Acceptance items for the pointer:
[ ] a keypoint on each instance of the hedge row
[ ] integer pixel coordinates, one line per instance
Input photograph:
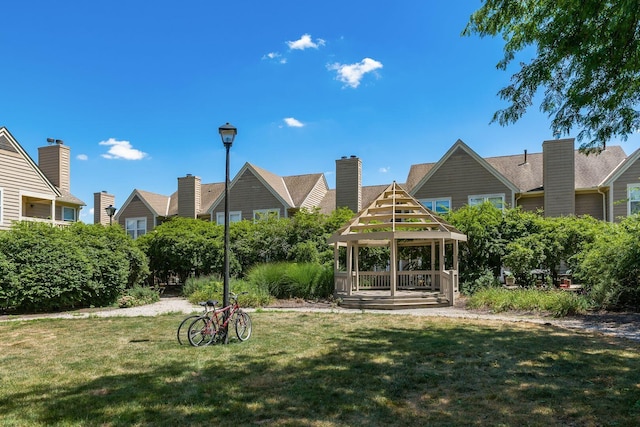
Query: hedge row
(44, 268)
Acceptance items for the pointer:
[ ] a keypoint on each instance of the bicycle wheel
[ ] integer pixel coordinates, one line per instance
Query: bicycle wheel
(183, 329)
(202, 331)
(243, 326)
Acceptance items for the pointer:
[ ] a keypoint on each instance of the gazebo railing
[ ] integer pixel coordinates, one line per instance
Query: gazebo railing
(445, 282)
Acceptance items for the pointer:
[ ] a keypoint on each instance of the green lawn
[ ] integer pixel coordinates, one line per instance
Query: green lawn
(314, 369)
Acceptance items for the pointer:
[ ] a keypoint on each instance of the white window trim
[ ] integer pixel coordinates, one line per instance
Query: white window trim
(257, 213)
(629, 187)
(232, 214)
(75, 213)
(136, 219)
(486, 198)
(434, 202)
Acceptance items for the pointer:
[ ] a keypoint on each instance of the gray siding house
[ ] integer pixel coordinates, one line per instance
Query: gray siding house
(560, 180)
(36, 192)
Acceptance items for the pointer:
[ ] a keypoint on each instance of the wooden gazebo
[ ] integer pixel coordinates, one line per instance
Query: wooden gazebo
(397, 221)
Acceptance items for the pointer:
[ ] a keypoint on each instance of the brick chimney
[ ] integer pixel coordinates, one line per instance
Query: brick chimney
(100, 201)
(349, 183)
(558, 156)
(54, 161)
(189, 195)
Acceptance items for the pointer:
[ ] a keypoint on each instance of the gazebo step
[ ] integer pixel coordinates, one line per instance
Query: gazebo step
(394, 303)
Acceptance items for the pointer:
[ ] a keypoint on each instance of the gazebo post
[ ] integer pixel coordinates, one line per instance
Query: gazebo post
(357, 265)
(349, 268)
(394, 265)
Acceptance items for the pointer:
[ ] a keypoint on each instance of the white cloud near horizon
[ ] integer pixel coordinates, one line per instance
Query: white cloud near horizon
(305, 42)
(82, 157)
(293, 123)
(121, 150)
(352, 74)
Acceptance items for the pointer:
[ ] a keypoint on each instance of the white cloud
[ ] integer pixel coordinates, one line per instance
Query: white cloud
(293, 123)
(122, 150)
(352, 74)
(82, 157)
(305, 42)
(275, 57)
(384, 169)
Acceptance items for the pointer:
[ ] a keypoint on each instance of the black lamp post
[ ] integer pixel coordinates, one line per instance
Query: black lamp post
(228, 134)
(111, 210)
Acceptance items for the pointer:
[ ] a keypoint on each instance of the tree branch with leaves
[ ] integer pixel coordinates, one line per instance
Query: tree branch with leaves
(586, 63)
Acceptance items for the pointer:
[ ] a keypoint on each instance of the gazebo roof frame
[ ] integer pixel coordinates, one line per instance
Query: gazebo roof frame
(395, 215)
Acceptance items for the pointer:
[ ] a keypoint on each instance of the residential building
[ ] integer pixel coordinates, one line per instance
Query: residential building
(36, 192)
(560, 180)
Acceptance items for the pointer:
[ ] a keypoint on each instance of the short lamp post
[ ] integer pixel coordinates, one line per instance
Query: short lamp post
(228, 134)
(110, 210)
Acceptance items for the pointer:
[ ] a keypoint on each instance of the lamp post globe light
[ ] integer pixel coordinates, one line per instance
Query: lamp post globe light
(228, 133)
(111, 210)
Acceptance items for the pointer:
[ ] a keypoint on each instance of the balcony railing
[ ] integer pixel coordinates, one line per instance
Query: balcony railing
(55, 223)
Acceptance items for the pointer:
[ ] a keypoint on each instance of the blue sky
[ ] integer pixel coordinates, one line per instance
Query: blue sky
(138, 89)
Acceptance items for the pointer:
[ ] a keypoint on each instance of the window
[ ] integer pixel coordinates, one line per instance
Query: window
(439, 206)
(496, 200)
(136, 227)
(68, 214)
(1, 205)
(260, 214)
(234, 216)
(633, 194)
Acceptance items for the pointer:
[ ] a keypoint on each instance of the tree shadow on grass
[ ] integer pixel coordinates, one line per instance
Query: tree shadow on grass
(463, 375)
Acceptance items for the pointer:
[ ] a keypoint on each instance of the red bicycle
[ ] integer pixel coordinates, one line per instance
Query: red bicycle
(212, 327)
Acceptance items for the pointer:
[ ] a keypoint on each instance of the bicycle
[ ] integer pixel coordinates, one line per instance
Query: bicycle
(208, 306)
(213, 326)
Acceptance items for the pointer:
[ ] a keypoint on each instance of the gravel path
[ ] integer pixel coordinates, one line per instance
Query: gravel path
(623, 325)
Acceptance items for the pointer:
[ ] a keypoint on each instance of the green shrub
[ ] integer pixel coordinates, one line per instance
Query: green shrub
(293, 280)
(485, 279)
(137, 296)
(211, 287)
(47, 268)
(558, 303)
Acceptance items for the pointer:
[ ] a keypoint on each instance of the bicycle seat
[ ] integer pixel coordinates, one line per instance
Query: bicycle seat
(212, 302)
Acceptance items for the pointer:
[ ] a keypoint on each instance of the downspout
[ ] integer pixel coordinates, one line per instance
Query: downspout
(604, 204)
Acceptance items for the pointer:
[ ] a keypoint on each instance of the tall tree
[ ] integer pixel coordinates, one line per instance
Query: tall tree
(586, 62)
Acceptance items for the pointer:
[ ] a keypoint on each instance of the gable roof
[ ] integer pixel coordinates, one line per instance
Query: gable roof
(9, 143)
(274, 182)
(208, 194)
(395, 212)
(525, 173)
(291, 191)
(300, 186)
(432, 168)
(620, 169)
(157, 204)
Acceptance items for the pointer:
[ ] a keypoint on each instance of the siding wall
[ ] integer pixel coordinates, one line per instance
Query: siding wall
(459, 177)
(316, 194)
(55, 162)
(619, 190)
(249, 194)
(559, 177)
(531, 204)
(349, 183)
(17, 175)
(590, 204)
(137, 209)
